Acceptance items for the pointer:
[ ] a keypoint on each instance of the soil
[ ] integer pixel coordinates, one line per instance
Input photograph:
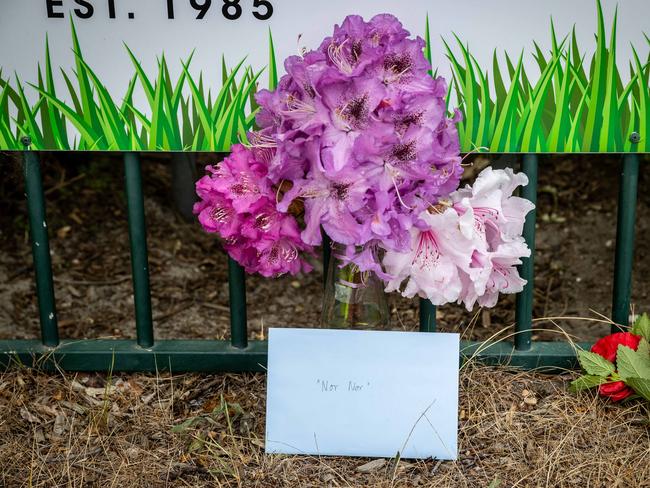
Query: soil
(90, 254)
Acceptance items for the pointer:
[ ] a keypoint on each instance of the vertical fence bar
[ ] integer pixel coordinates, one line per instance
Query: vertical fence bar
(624, 260)
(40, 249)
(327, 252)
(524, 306)
(138, 242)
(427, 316)
(237, 290)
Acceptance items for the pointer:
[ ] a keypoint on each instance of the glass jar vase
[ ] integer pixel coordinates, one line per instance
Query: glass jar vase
(353, 299)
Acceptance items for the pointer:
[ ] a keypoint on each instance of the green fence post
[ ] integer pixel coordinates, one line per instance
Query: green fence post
(238, 320)
(138, 242)
(624, 260)
(427, 316)
(524, 306)
(40, 249)
(327, 253)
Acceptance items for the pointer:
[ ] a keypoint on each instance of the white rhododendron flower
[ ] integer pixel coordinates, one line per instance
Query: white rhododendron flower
(469, 251)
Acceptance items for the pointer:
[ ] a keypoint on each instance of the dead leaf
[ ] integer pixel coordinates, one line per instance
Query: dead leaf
(435, 468)
(257, 442)
(99, 392)
(74, 407)
(27, 415)
(45, 409)
(531, 451)
(403, 465)
(39, 435)
(59, 425)
(327, 477)
(73, 215)
(510, 414)
(371, 466)
(486, 319)
(147, 398)
(530, 400)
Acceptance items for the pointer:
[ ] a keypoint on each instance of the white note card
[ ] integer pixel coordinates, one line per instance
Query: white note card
(362, 393)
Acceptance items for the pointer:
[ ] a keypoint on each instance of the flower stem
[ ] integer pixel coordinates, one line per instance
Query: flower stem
(347, 273)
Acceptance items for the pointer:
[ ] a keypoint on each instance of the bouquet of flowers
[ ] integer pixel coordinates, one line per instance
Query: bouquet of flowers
(618, 364)
(356, 141)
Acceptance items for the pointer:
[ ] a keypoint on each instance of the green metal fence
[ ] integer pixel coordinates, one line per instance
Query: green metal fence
(239, 354)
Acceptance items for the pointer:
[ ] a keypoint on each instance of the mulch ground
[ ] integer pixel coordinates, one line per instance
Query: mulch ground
(516, 428)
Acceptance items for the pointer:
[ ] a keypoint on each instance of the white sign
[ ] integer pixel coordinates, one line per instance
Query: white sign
(362, 393)
(239, 29)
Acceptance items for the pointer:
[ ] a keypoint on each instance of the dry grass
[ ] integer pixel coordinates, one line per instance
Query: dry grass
(516, 429)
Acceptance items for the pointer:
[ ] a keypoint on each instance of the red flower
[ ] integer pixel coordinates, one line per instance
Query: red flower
(608, 345)
(616, 391)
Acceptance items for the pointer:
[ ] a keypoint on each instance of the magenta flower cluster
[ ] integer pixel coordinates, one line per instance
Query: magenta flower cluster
(358, 137)
(238, 203)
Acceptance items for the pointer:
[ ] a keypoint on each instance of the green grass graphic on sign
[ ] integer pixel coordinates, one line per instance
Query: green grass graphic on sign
(184, 115)
(575, 105)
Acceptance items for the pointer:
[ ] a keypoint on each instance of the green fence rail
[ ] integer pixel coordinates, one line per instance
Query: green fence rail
(240, 354)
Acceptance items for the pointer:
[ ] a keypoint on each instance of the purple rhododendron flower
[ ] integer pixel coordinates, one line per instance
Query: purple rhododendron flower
(356, 140)
(359, 127)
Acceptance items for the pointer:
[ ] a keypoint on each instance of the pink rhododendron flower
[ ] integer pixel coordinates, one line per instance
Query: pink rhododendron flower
(431, 266)
(498, 215)
(492, 273)
(493, 218)
(238, 202)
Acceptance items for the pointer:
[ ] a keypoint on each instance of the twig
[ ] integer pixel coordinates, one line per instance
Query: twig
(18, 273)
(214, 306)
(63, 184)
(165, 316)
(116, 281)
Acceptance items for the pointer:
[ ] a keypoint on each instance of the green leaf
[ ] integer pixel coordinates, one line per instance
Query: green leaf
(86, 131)
(642, 327)
(508, 116)
(273, 66)
(427, 44)
(201, 108)
(632, 364)
(595, 364)
(585, 382)
(57, 120)
(640, 385)
(31, 124)
(533, 128)
(499, 86)
(610, 135)
(144, 80)
(88, 104)
(644, 348)
(185, 425)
